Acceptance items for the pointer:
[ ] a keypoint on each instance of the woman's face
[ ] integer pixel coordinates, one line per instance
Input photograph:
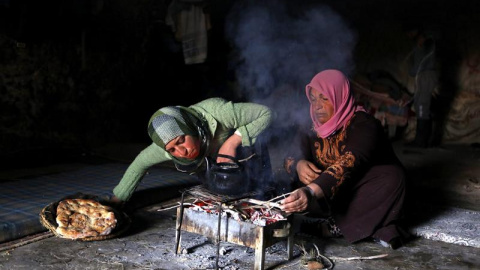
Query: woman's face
(322, 106)
(184, 146)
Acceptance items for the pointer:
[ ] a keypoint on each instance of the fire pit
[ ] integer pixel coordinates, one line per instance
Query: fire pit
(217, 225)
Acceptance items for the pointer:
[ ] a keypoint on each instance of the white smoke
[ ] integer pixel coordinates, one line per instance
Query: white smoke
(278, 50)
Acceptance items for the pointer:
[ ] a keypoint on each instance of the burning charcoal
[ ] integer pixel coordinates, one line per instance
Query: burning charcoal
(257, 219)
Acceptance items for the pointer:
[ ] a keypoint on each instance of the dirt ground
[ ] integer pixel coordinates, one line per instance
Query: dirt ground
(150, 244)
(439, 177)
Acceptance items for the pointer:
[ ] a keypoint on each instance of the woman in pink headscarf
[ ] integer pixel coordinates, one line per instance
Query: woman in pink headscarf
(346, 168)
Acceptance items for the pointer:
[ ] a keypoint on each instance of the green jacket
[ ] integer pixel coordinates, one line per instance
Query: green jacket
(223, 117)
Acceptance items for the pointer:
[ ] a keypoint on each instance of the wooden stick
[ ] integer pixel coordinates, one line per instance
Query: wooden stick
(324, 257)
(171, 207)
(264, 203)
(359, 258)
(26, 240)
(283, 196)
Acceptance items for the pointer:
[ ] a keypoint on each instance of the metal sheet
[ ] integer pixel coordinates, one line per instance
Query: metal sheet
(231, 230)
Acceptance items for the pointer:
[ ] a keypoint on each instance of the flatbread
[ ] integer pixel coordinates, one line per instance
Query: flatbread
(80, 218)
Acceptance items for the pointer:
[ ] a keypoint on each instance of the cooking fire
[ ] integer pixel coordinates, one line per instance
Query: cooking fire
(240, 220)
(258, 212)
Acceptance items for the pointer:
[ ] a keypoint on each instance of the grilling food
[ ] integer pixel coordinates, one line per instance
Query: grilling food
(80, 218)
(249, 210)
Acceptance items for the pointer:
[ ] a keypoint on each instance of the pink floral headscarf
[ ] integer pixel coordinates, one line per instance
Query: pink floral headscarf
(336, 87)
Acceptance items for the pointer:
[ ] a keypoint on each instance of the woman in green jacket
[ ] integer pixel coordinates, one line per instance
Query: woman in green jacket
(186, 135)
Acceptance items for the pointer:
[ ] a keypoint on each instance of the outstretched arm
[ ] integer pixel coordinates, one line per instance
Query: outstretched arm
(132, 177)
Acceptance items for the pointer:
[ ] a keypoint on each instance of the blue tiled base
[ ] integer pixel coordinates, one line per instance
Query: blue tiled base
(22, 200)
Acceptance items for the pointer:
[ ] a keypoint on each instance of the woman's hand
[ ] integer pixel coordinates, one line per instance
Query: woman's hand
(229, 147)
(116, 202)
(297, 201)
(307, 171)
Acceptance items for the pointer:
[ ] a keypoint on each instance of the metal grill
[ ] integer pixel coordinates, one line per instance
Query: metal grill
(221, 228)
(202, 193)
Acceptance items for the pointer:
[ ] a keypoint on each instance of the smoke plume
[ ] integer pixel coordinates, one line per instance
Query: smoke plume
(279, 47)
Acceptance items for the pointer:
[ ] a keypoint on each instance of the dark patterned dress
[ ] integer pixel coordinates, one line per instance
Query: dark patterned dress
(362, 178)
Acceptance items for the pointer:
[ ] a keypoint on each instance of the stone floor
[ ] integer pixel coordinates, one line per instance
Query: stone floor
(444, 196)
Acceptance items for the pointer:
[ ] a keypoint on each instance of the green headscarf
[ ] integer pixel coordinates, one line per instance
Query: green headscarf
(171, 122)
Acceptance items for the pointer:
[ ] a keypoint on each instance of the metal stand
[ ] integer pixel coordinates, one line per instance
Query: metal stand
(179, 226)
(237, 232)
(218, 233)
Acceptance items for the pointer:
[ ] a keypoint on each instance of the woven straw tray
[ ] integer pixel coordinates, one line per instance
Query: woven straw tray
(48, 217)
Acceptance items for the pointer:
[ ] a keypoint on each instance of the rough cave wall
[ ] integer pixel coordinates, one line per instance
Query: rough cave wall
(82, 73)
(384, 46)
(68, 68)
